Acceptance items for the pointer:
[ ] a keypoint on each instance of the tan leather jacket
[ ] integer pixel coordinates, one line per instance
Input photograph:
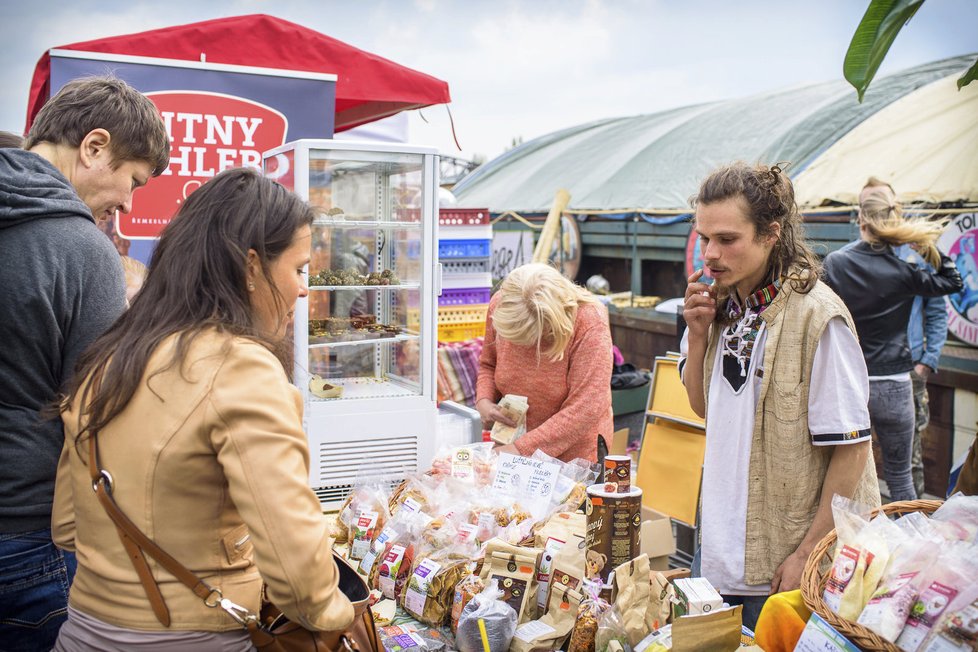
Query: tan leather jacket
(211, 462)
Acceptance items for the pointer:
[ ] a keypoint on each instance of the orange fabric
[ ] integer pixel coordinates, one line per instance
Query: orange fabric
(781, 622)
(569, 400)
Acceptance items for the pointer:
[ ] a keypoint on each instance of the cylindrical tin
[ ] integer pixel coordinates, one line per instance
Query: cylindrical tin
(614, 523)
(618, 474)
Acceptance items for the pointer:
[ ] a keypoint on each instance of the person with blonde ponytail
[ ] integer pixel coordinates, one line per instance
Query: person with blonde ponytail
(879, 289)
(548, 339)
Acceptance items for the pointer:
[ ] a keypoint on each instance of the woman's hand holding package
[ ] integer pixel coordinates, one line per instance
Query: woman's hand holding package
(491, 414)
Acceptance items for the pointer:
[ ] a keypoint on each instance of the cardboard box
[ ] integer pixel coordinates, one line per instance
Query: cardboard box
(657, 539)
(695, 596)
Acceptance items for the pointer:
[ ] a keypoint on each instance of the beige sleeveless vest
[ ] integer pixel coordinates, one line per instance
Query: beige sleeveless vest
(786, 470)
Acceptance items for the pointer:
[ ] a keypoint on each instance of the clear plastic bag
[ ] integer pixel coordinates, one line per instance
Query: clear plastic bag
(957, 519)
(498, 618)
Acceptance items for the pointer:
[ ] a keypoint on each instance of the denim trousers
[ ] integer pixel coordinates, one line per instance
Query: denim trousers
(891, 411)
(34, 580)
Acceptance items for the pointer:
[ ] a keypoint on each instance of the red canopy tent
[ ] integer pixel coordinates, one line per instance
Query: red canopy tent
(368, 87)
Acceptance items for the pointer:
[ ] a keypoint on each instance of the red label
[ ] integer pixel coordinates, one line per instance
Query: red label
(208, 133)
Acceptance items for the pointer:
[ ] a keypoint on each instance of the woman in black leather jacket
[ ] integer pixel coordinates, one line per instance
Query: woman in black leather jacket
(879, 288)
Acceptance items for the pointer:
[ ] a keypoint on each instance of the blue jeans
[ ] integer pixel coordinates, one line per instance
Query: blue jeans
(34, 580)
(891, 412)
(752, 604)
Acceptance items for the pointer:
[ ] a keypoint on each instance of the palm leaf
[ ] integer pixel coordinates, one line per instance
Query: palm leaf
(875, 34)
(969, 76)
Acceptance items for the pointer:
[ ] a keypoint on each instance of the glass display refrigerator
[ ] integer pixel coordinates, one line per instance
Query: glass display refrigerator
(365, 337)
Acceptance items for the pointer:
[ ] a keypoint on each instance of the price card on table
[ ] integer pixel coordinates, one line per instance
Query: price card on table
(819, 636)
(532, 479)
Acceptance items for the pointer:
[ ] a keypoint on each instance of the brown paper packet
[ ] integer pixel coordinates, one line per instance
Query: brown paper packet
(568, 566)
(498, 545)
(632, 602)
(516, 575)
(551, 631)
(659, 608)
(712, 632)
(551, 538)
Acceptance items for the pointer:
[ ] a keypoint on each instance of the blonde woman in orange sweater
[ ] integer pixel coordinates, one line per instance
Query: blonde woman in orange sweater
(549, 340)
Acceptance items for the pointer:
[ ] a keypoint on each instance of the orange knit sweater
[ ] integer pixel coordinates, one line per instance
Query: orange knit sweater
(569, 400)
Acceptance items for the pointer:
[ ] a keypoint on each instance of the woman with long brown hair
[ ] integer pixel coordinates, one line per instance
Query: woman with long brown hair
(879, 288)
(189, 400)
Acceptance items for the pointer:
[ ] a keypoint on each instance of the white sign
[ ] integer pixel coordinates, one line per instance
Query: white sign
(510, 249)
(960, 242)
(527, 477)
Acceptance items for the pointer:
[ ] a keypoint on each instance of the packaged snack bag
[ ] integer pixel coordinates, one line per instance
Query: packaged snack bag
(467, 588)
(369, 494)
(862, 553)
(957, 518)
(661, 597)
(889, 607)
(957, 630)
(431, 586)
(951, 575)
(498, 618)
(551, 631)
(585, 631)
(551, 537)
(632, 601)
(364, 531)
(515, 575)
(569, 565)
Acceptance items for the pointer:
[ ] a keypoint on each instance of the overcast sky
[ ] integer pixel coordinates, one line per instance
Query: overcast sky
(524, 69)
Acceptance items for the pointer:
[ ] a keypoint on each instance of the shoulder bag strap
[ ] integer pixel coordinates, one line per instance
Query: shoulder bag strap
(136, 544)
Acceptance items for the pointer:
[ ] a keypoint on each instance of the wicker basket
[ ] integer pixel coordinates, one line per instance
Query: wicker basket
(813, 581)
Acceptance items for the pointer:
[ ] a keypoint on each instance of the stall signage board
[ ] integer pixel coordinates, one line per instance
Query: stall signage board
(960, 242)
(525, 476)
(217, 116)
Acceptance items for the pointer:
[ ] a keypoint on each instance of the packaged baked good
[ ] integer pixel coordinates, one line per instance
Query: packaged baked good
(370, 494)
(431, 586)
(516, 577)
(467, 588)
(472, 463)
(585, 631)
(515, 408)
(632, 599)
(551, 631)
(569, 565)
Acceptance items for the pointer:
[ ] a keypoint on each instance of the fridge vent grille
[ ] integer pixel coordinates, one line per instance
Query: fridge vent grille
(340, 463)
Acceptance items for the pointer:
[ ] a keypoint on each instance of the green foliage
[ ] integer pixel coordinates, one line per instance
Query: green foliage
(969, 76)
(875, 34)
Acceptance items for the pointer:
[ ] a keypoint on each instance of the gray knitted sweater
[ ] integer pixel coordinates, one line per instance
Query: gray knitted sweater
(61, 286)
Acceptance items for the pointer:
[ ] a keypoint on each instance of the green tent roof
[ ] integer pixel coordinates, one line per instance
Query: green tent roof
(656, 161)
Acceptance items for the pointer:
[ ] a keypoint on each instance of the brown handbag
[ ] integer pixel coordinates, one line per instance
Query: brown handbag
(271, 630)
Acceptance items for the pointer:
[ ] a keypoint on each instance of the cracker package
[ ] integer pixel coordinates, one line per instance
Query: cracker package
(431, 586)
(516, 577)
(632, 601)
(586, 626)
(371, 495)
(467, 588)
(363, 533)
(568, 566)
(515, 408)
(551, 631)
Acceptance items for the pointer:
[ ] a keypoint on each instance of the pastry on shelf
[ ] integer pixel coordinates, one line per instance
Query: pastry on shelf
(351, 277)
(322, 389)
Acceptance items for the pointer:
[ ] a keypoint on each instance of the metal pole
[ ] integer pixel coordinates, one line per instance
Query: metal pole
(636, 263)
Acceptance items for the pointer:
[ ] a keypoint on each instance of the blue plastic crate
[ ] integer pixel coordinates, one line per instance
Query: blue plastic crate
(464, 248)
(463, 296)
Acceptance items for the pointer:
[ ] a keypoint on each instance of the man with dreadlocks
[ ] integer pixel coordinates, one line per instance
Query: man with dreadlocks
(770, 359)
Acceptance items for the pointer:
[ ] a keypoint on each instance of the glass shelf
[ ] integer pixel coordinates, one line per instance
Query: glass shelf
(401, 337)
(365, 387)
(341, 288)
(364, 224)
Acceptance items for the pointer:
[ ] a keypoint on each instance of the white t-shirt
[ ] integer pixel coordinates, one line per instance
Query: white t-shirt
(837, 414)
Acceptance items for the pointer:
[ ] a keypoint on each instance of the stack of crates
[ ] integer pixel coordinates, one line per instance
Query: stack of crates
(465, 253)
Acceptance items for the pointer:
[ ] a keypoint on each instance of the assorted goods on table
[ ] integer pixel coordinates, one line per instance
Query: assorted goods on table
(907, 584)
(491, 552)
